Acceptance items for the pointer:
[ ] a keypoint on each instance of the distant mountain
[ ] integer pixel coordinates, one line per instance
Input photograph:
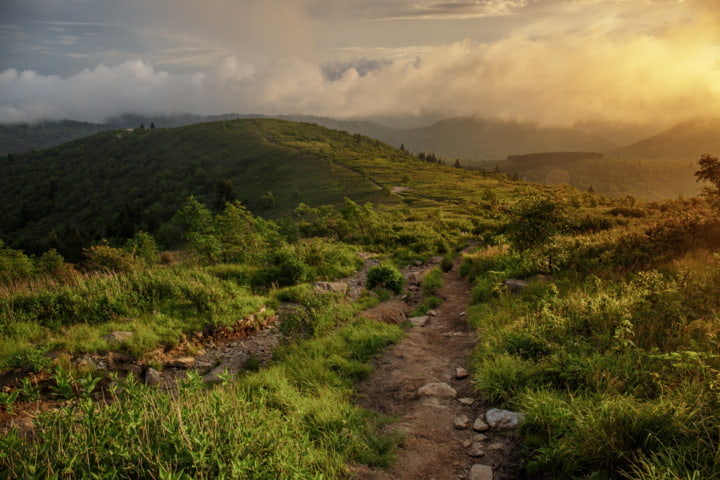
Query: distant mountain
(684, 143)
(476, 138)
(617, 177)
(23, 137)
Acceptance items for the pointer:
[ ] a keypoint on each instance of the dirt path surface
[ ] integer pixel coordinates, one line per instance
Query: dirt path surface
(435, 447)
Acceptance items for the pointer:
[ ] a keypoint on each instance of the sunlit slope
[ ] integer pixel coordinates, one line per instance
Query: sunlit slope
(683, 143)
(116, 183)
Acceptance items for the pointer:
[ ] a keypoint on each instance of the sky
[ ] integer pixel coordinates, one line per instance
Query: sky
(552, 62)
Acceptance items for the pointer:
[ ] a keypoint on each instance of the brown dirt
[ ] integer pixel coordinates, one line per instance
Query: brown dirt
(433, 447)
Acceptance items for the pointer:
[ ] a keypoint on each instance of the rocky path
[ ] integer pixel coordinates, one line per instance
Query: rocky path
(422, 381)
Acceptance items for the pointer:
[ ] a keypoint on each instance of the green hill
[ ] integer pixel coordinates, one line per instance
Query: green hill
(117, 183)
(617, 177)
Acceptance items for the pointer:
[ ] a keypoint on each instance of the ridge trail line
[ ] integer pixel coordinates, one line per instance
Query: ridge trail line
(434, 448)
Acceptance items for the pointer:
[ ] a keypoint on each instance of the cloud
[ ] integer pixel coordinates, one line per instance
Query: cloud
(458, 10)
(547, 71)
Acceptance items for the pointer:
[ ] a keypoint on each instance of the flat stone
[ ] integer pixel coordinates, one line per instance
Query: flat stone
(463, 314)
(182, 362)
(481, 437)
(480, 472)
(497, 446)
(480, 426)
(461, 373)
(461, 422)
(467, 401)
(466, 443)
(118, 337)
(437, 390)
(152, 376)
(432, 313)
(503, 419)
(419, 321)
(476, 450)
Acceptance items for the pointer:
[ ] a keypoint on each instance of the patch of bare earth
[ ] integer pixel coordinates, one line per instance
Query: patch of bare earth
(440, 441)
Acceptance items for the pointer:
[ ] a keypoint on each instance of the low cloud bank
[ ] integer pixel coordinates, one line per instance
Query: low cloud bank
(553, 79)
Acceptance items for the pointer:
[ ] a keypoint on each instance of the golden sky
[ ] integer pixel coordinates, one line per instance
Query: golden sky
(549, 61)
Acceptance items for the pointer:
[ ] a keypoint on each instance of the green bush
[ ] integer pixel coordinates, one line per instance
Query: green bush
(387, 276)
(432, 282)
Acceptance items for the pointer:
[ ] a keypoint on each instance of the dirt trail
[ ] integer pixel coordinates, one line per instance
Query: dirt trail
(434, 448)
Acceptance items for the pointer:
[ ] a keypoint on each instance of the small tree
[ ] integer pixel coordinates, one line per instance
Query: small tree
(534, 224)
(710, 172)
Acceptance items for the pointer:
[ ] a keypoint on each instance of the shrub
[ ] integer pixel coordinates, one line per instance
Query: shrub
(432, 282)
(386, 276)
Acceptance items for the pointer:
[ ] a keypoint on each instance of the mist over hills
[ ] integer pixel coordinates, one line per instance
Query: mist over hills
(685, 142)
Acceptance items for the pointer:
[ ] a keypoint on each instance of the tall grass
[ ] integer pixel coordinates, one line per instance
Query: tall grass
(159, 305)
(294, 419)
(618, 372)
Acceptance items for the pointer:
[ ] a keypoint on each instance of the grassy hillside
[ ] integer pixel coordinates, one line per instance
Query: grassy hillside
(610, 347)
(617, 177)
(116, 183)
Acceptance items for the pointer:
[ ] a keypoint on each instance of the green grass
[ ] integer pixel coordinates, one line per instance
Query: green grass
(159, 305)
(615, 369)
(294, 419)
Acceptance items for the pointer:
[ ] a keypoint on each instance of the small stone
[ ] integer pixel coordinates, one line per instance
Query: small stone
(481, 437)
(432, 313)
(466, 443)
(480, 472)
(437, 390)
(463, 314)
(419, 321)
(476, 450)
(497, 446)
(461, 422)
(503, 419)
(467, 401)
(461, 373)
(182, 362)
(86, 363)
(152, 376)
(480, 425)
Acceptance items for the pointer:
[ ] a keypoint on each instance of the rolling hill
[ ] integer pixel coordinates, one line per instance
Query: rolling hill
(477, 138)
(23, 137)
(117, 183)
(683, 143)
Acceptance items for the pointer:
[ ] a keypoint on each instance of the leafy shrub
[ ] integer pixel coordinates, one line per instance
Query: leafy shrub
(387, 276)
(103, 257)
(432, 282)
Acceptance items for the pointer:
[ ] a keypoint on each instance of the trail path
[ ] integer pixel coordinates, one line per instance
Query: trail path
(434, 447)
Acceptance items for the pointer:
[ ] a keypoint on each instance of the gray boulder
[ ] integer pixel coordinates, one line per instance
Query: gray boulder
(503, 419)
